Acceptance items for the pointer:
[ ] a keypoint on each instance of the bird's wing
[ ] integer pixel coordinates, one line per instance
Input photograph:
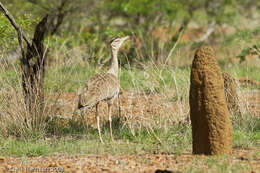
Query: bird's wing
(99, 87)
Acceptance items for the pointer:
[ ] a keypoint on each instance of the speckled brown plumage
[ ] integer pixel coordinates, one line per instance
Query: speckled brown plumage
(99, 87)
(103, 86)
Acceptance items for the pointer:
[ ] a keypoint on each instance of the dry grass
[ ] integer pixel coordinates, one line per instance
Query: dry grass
(155, 97)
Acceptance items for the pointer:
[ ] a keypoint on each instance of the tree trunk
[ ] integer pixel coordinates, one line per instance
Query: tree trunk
(33, 69)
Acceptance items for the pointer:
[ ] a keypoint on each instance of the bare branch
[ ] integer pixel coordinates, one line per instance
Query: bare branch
(174, 46)
(20, 39)
(208, 33)
(15, 25)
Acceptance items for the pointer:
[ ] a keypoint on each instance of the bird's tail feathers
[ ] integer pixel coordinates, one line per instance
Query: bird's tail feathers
(87, 103)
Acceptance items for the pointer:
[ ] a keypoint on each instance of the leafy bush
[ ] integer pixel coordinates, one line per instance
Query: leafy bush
(8, 35)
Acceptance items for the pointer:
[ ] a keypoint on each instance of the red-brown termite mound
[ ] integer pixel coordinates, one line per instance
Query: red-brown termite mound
(211, 127)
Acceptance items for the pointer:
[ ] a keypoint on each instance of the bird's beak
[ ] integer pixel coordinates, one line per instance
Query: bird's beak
(126, 38)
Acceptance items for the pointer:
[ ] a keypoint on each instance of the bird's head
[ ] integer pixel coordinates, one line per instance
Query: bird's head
(117, 42)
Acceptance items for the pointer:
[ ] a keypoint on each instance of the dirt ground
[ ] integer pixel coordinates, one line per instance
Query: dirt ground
(142, 107)
(135, 108)
(146, 163)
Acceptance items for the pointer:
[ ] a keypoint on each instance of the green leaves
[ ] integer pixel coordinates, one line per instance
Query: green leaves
(8, 35)
(6, 32)
(254, 50)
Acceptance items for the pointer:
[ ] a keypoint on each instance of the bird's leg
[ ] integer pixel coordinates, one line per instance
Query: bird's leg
(99, 131)
(82, 114)
(118, 105)
(110, 120)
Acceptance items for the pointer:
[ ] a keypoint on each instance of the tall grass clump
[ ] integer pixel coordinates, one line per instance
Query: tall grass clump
(16, 119)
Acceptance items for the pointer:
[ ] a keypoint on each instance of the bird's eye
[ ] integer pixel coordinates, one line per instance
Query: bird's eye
(114, 39)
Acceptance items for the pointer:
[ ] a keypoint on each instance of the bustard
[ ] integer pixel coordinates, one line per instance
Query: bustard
(104, 86)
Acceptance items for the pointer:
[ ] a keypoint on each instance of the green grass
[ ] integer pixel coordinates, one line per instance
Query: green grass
(67, 78)
(215, 164)
(175, 140)
(151, 79)
(70, 78)
(76, 140)
(242, 70)
(246, 131)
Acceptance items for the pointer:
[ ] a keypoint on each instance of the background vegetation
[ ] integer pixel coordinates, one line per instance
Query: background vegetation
(157, 59)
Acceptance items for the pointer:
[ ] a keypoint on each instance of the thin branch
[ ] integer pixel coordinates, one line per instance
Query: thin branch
(15, 25)
(60, 17)
(256, 51)
(20, 39)
(174, 46)
(208, 33)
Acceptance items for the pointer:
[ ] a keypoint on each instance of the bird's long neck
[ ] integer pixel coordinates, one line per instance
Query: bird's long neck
(114, 63)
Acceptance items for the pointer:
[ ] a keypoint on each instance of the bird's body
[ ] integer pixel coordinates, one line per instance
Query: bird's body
(104, 86)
